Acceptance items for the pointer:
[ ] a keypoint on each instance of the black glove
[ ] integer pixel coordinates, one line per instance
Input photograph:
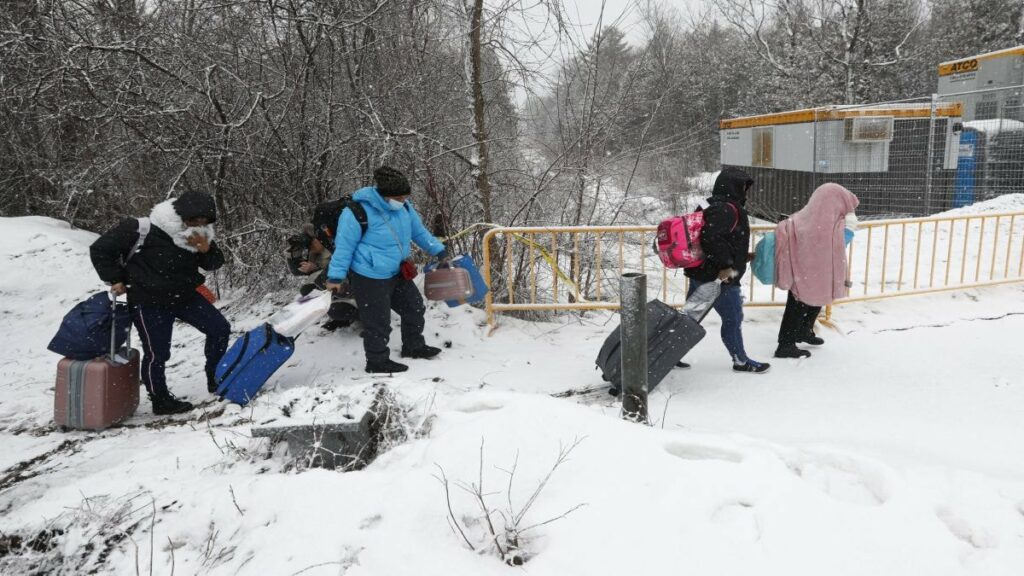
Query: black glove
(335, 285)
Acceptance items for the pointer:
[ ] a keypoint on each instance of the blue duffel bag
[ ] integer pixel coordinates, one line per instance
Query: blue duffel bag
(84, 333)
(763, 265)
(250, 362)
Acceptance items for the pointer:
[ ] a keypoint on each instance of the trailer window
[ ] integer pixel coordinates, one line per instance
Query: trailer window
(875, 129)
(986, 110)
(1011, 108)
(763, 146)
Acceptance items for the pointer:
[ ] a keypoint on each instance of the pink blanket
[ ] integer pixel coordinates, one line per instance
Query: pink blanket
(810, 255)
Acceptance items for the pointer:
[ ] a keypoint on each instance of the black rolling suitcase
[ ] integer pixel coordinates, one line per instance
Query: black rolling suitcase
(670, 335)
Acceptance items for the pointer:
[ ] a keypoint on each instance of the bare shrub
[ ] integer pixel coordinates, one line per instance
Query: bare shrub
(501, 528)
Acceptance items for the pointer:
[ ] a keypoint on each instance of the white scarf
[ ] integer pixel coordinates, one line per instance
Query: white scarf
(166, 218)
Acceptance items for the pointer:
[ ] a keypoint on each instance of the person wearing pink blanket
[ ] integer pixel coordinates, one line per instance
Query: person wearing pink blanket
(810, 262)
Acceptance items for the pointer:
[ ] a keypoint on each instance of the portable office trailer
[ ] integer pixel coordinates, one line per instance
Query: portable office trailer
(879, 152)
(989, 85)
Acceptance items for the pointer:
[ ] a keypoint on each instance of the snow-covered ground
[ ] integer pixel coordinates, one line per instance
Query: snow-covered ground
(894, 450)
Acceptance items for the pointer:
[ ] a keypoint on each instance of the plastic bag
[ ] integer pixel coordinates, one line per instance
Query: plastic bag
(299, 315)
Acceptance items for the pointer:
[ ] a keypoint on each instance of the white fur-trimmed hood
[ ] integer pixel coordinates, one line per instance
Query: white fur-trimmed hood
(166, 218)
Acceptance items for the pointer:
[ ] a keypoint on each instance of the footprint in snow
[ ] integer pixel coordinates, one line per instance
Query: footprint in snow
(471, 407)
(843, 478)
(737, 520)
(965, 530)
(698, 452)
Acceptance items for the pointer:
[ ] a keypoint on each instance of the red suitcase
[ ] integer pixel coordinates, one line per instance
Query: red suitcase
(447, 284)
(95, 394)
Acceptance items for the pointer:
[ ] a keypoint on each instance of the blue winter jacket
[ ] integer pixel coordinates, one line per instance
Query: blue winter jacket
(379, 252)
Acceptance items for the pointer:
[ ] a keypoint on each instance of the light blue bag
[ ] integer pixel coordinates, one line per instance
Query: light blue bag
(847, 236)
(763, 265)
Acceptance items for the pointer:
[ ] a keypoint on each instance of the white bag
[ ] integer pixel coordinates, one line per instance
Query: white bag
(702, 300)
(302, 314)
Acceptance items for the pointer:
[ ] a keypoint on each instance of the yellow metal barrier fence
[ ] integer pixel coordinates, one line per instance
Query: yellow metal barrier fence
(567, 268)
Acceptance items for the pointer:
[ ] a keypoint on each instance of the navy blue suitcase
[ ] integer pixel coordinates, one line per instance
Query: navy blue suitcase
(250, 362)
(670, 335)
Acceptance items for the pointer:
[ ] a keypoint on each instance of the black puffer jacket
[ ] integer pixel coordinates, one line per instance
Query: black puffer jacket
(726, 234)
(162, 272)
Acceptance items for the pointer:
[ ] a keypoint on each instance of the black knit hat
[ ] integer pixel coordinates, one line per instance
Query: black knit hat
(194, 204)
(390, 182)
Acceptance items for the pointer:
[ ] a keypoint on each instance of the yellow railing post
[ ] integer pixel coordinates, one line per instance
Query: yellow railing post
(995, 248)
(935, 247)
(949, 252)
(1009, 247)
(981, 246)
(489, 298)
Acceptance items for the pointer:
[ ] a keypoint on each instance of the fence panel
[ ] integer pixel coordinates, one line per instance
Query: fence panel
(562, 269)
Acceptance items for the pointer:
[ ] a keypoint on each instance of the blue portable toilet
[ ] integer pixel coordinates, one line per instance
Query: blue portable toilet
(963, 184)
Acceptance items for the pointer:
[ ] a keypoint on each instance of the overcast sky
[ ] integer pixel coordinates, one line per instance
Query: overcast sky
(584, 15)
(588, 13)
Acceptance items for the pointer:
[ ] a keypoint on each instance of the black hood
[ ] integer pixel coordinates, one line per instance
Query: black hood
(732, 185)
(196, 205)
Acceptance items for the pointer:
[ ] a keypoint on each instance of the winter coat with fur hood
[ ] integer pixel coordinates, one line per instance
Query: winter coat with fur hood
(165, 270)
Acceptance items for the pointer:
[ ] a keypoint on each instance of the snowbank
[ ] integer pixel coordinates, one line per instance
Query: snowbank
(1005, 203)
(893, 451)
(995, 126)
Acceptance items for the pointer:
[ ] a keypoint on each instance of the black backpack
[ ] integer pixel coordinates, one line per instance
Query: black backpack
(326, 215)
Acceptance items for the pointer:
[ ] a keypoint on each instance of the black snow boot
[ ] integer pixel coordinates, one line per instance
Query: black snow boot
(211, 383)
(421, 352)
(384, 367)
(332, 325)
(791, 351)
(811, 338)
(164, 405)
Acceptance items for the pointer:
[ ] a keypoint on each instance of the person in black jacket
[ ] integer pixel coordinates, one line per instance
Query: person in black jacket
(161, 276)
(725, 240)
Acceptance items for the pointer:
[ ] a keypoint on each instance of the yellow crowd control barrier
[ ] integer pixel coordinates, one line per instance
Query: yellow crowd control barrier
(565, 268)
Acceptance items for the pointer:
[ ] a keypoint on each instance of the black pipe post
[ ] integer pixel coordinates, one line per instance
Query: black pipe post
(633, 333)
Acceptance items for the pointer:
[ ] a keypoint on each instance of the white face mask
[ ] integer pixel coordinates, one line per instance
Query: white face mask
(395, 204)
(851, 221)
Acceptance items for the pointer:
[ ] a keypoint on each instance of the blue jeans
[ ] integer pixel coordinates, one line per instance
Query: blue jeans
(730, 308)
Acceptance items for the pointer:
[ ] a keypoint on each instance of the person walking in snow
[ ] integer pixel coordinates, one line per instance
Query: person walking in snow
(161, 279)
(810, 262)
(725, 240)
(377, 267)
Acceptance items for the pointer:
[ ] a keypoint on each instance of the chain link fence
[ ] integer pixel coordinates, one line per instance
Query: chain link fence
(914, 157)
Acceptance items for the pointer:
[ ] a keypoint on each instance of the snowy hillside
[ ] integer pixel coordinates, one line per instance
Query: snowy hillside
(894, 450)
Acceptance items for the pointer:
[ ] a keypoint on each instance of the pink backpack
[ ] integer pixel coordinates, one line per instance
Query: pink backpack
(678, 240)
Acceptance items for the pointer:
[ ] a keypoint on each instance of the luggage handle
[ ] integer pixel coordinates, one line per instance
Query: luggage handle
(241, 353)
(113, 332)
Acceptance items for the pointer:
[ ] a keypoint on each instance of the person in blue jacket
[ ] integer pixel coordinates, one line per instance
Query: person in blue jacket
(372, 264)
